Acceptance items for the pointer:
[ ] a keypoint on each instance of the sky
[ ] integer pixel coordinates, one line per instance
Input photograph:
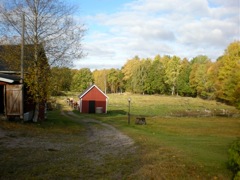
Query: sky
(118, 30)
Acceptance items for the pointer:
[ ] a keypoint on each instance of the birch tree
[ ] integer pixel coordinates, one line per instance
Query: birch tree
(50, 26)
(172, 73)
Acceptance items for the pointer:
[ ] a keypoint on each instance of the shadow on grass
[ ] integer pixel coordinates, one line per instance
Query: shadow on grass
(116, 112)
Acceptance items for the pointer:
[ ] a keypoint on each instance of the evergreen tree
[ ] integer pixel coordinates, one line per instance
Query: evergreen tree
(61, 79)
(114, 80)
(184, 88)
(155, 77)
(140, 74)
(82, 80)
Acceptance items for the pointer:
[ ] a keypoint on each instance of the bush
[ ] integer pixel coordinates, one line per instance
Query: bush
(234, 159)
(57, 93)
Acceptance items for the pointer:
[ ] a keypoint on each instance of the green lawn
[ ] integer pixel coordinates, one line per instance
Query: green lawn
(168, 147)
(184, 147)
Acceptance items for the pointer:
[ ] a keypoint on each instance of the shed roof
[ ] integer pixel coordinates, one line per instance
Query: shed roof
(89, 89)
(9, 78)
(10, 56)
(3, 67)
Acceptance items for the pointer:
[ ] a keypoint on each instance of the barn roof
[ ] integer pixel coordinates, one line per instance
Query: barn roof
(10, 56)
(3, 67)
(9, 78)
(89, 89)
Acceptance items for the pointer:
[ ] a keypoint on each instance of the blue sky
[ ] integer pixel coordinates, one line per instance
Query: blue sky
(120, 29)
(93, 7)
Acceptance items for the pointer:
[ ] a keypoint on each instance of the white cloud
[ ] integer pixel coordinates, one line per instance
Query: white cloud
(175, 27)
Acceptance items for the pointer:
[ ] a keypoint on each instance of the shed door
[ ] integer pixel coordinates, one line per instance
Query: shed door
(14, 100)
(91, 107)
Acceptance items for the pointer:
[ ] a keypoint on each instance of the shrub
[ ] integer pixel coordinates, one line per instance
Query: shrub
(234, 159)
(57, 93)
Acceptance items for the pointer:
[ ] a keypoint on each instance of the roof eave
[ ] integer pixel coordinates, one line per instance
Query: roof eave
(6, 80)
(80, 96)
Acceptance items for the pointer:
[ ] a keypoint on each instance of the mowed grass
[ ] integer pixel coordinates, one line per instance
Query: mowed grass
(176, 147)
(168, 147)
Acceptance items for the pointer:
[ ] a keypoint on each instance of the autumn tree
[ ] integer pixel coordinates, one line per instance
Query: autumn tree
(100, 79)
(172, 73)
(127, 70)
(198, 75)
(212, 79)
(49, 26)
(228, 84)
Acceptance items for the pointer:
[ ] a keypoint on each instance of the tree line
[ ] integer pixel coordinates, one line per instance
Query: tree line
(198, 77)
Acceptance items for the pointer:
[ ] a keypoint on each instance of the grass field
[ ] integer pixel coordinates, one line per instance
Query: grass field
(168, 147)
(176, 147)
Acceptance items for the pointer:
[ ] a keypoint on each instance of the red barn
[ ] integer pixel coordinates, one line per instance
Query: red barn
(93, 100)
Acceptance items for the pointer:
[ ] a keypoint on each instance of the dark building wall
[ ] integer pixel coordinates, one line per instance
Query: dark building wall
(1, 99)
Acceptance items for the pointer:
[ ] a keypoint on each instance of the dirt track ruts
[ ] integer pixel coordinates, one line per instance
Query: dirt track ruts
(102, 139)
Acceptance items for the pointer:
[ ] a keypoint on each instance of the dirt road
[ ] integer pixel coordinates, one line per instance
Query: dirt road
(98, 152)
(103, 139)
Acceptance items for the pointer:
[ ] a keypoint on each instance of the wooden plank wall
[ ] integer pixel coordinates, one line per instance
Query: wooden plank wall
(14, 100)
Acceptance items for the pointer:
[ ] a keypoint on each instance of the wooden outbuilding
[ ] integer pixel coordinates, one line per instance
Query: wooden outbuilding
(93, 100)
(15, 99)
(11, 95)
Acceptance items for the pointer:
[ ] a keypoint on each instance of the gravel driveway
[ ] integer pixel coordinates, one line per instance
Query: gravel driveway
(100, 151)
(103, 139)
